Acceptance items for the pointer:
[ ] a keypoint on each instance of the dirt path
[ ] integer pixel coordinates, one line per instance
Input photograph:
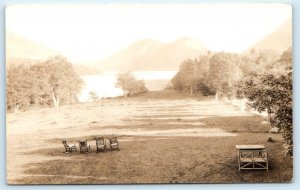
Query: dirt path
(32, 131)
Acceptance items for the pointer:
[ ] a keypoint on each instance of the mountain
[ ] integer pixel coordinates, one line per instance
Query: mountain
(152, 55)
(131, 56)
(279, 40)
(22, 50)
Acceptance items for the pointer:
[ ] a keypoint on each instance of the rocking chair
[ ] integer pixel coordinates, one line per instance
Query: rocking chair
(114, 144)
(100, 144)
(84, 147)
(69, 148)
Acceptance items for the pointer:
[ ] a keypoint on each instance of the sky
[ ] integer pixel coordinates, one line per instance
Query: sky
(92, 32)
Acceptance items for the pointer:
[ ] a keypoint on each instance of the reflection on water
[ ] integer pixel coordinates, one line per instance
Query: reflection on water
(104, 85)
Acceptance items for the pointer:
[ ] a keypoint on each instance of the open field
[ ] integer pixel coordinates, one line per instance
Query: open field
(161, 141)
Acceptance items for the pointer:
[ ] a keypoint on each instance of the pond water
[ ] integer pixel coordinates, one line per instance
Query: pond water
(104, 85)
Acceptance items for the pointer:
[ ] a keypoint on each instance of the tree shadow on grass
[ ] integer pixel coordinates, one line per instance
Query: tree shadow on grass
(251, 124)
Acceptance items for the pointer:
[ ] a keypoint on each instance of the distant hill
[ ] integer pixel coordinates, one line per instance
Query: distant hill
(22, 50)
(153, 55)
(279, 40)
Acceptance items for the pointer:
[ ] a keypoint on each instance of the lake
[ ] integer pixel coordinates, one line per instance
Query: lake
(104, 85)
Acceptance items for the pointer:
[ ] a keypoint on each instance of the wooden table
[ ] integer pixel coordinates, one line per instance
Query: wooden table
(252, 157)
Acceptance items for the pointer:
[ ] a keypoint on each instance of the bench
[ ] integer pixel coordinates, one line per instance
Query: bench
(252, 157)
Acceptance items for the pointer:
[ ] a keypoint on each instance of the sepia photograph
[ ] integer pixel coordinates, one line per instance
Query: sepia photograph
(188, 93)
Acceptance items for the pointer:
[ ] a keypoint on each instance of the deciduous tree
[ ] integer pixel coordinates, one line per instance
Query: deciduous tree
(224, 72)
(18, 84)
(271, 91)
(130, 85)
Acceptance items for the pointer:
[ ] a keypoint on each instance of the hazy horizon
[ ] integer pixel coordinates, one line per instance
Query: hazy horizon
(91, 33)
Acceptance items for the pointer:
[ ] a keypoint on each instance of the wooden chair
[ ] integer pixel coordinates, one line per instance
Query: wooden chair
(69, 148)
(84, 147)
(100, 144)
(114, 144)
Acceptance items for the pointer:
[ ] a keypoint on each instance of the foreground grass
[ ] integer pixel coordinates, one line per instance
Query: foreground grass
(142, 159)
(162, 160)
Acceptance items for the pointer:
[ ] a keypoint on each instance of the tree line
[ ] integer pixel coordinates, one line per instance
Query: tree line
(47, 83)
(262, 77)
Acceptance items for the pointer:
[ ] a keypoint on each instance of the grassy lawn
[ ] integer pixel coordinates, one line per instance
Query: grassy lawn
(162, 160)
(184, 157)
